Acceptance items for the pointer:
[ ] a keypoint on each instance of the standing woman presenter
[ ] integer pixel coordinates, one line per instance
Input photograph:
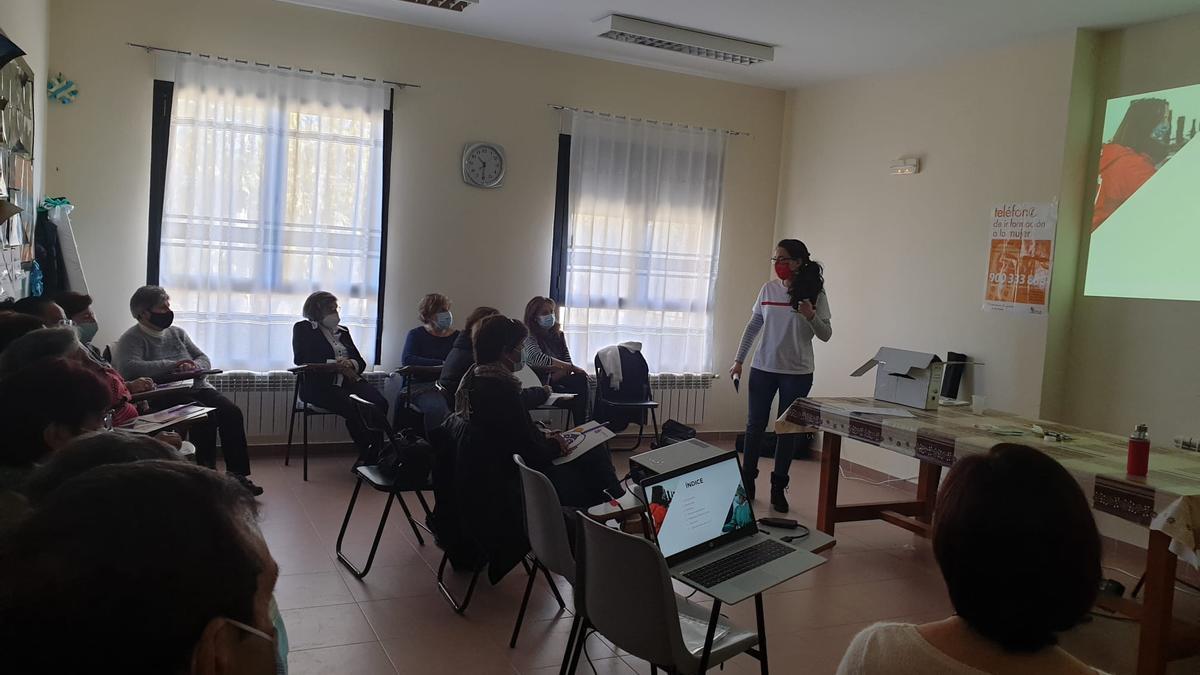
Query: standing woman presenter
(789, 312)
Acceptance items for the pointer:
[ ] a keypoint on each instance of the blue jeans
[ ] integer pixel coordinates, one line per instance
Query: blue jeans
(763, 386)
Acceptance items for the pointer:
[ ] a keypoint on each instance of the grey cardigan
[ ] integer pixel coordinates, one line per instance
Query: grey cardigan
(140, 354)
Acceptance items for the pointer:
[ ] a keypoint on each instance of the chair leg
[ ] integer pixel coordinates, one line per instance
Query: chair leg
(549, 582)
(306, 446)
(287, 453)
(577, 648)
(424, 504)
(359, 574)
(524, 604)
(571, 638)
(459, 607)
(408, 514)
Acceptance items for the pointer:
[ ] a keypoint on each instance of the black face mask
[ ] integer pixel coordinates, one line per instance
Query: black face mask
(162, 321)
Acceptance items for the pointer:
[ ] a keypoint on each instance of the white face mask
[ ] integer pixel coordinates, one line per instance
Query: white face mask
(331, 321)
(520, 362)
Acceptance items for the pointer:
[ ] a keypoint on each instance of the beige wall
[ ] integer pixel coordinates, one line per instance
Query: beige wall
(905, 256)
(1134, 361)
(479, 247)
(27, 23)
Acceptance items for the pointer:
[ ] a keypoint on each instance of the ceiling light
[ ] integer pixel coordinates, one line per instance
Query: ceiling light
(454, 5)
(684, 40)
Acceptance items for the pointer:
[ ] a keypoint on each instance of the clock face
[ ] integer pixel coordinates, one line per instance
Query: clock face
(483, 165)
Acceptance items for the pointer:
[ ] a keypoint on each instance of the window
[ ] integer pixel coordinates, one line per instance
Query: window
(637, 229)
(265, 187)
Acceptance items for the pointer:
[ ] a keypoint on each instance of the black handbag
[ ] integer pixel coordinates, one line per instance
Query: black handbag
(407, 459)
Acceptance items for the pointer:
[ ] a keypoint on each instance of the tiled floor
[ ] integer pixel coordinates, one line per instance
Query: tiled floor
(396, 622)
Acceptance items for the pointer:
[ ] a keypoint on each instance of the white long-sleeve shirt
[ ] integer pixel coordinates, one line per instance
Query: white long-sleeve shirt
(786, 335)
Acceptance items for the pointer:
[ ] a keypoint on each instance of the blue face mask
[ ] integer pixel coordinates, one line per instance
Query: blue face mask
(443, 320)
(281, 639)
(520, 362)
(546, 320)
(1162, 132)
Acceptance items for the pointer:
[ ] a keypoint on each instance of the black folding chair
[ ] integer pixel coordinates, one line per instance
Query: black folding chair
(383, 482)
(632, 401)
(306, 410)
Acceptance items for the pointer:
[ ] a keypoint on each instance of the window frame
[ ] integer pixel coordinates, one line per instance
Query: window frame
(160, 143)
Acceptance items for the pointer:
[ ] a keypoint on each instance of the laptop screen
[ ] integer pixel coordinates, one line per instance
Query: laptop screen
(697, 508)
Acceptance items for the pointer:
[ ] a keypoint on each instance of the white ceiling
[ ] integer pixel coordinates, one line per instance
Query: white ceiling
(815, 39)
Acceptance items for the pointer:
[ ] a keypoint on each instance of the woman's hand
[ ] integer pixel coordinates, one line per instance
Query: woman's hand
(141, 384)
(735, 371)
(186, 366)
(348, 368)
(807, 310)
(563, 446)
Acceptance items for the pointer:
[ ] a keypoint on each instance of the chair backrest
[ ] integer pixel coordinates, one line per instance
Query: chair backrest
(635, 378)
(544, 523)
(625, 591)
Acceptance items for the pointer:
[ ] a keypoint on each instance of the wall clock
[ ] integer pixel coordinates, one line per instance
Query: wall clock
(483, 165)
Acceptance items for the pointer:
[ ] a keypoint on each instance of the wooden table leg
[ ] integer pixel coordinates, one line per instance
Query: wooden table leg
(927, 488)
(831, 459)
(1157, 606)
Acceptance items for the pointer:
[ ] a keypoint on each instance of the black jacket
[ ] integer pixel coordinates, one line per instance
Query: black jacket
(479, 518)
(310, 346)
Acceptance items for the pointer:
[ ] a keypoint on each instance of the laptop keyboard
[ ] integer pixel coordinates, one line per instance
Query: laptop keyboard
(736, 563)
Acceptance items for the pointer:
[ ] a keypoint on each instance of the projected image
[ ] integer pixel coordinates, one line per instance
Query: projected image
(660, 501)
(1146, 216)
(739, 515)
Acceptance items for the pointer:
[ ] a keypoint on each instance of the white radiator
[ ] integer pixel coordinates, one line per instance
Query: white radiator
(266, 402)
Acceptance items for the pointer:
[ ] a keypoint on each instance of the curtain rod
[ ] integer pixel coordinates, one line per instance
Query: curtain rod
(307, 71)
(730, 132)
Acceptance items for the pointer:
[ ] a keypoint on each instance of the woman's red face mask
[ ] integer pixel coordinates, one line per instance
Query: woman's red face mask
(783, 270)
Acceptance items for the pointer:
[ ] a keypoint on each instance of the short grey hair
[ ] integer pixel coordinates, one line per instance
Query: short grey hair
(43, 343)
(315, 303)
(146, 298)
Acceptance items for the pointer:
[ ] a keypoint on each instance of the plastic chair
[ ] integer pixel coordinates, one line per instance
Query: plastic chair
(300, 407)
(624, 591)
(381, 481)
(547, 532)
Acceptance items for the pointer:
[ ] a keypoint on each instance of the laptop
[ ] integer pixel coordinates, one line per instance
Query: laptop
(706, 530)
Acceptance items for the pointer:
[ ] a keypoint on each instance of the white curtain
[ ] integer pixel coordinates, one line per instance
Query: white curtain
(642, 242)
(274, 189)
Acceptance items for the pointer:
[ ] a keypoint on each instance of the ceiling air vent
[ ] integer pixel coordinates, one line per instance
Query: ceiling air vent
(453, 5)
(684, 40)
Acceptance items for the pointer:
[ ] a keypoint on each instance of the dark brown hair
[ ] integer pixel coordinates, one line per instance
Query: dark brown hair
(90, 451)
(494, 335)
(1018, 547)
(478, 315)
(73, 302)
(45, 392)
(131, 561)
(808, 280)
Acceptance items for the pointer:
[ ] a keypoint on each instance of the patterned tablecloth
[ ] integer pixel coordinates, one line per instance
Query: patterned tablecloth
(1168, 499)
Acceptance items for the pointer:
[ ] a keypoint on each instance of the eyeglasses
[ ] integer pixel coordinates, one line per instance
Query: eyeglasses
(782, 260)
(65, 322)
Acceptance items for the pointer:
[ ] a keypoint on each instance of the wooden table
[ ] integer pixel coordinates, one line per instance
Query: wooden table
(1166, 502)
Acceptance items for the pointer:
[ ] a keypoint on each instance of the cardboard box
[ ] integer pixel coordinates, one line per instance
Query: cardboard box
(909, 378)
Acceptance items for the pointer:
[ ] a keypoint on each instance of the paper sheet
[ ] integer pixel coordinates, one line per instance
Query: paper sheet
(148, 424)
(555, 398)
(583, 438)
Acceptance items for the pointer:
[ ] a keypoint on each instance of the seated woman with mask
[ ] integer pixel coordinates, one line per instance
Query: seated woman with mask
(489, 399)
(426, 348)
(335, 368)
(546, 348)
(462, 358)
